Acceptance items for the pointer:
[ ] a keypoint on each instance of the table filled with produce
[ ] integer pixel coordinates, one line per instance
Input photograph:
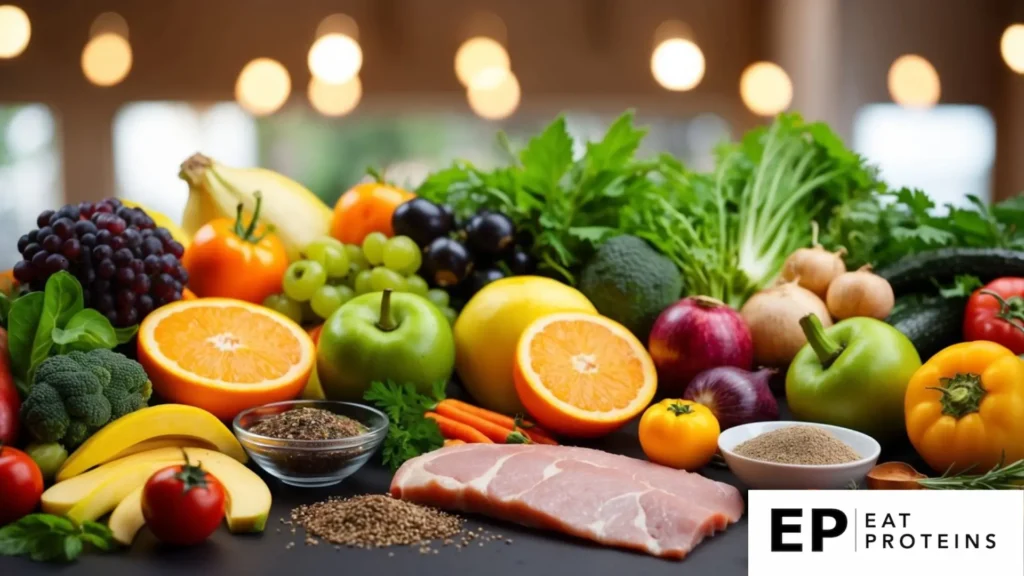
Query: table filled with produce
(582, 359)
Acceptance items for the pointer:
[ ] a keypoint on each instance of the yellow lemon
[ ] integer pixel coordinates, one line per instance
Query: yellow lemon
(488, 330)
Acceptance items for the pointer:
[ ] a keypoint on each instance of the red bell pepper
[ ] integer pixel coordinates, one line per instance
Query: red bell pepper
(995, 313)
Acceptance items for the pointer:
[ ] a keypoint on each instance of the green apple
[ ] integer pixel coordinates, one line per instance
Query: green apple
(384, 336)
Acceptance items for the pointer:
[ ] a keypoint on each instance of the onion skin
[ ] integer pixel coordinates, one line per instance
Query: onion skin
(773, 316)
(814, 268)
(694, 335)
(735, 396)
(860, 293)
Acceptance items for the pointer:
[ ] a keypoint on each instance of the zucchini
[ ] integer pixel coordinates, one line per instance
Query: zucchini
(915, 273)
(930, 322)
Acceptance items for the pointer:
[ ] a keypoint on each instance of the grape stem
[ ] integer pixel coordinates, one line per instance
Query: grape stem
(387, 321)
(248, 234)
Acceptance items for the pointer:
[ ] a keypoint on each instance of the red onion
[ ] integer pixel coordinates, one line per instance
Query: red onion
(696, 334)
(734, 395)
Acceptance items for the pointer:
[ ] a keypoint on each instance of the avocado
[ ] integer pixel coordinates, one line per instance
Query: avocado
(630, 282)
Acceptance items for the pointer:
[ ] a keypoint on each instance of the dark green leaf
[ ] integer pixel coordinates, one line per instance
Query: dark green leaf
(547, 157)
(97, 542)
(21, 331)
(62, 300)
(72, 547)
(98, 530)
(47, 547)
(962, 287)
(5, 309)
(617, 148)
(49, 521)
(13, 540)
(125, 335)
(87, 330)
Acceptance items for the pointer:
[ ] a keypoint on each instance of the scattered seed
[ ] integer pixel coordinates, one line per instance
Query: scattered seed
(375, 521)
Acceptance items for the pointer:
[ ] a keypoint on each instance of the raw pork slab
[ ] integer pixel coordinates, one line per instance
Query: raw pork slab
(610, 499)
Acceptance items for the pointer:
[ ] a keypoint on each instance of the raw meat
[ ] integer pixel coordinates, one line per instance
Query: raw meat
(610, 499)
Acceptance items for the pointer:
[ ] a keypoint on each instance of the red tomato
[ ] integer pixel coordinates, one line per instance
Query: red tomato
(21, 484)
(183, 504)
(996, 313)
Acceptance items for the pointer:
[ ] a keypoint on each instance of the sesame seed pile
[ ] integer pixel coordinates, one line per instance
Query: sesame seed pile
(373, 521)
(808, 445)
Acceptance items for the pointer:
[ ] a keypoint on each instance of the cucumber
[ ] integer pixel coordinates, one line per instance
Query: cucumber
(930, 322)
(915, 273)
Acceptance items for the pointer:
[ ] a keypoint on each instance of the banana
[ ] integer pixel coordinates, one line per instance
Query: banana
(163, 221)
(295, 214)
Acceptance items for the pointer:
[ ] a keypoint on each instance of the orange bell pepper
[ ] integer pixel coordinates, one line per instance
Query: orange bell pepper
(965, 408)
(230, 260)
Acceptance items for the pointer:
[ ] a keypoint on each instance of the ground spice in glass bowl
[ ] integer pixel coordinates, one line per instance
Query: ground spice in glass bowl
(311, 443)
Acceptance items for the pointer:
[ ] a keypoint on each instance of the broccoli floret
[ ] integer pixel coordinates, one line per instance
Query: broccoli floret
(76, 394)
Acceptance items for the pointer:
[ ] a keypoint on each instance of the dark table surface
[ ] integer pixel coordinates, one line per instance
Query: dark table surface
(531, 553)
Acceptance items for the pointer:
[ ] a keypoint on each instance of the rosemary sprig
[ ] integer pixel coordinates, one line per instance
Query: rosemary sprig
(1000, 477)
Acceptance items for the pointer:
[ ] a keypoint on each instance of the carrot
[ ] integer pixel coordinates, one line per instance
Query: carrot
(453, 430)
(532, 431)
(496, 433)
(454, 442)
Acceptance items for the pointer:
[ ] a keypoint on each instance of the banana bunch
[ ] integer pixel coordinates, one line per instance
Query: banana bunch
(294, 213)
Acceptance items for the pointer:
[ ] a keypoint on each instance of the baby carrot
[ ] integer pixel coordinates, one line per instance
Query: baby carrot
(532, 431)
(453, 430)
(496, 433)
(454, 442)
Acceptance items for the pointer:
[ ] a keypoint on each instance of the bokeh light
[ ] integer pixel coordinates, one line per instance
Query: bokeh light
(482, 63)
(263, 86)
(677, 64)
(913, 82)
(107, 59)
(766, 88)
(15, 31)
(1012, 47)
(335, 99)
(335, 58)
(497, 101)
(109, 23)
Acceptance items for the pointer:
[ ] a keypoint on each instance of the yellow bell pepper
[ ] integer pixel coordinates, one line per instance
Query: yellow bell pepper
(965, 408)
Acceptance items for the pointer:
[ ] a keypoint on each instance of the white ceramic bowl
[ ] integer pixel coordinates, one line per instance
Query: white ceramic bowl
(761, 475)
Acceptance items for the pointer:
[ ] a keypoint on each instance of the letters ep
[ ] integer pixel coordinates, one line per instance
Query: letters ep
(781, 527)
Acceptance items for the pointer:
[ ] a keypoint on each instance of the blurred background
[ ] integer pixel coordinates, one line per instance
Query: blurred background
(108, 97)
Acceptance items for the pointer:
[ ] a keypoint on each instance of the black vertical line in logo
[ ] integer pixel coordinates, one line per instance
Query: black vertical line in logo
(854, 529)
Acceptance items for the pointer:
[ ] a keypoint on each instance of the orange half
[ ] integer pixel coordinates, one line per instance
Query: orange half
(582, 375)
(224, 355)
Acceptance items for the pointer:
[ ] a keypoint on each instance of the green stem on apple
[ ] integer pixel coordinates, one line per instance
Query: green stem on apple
(387, 321)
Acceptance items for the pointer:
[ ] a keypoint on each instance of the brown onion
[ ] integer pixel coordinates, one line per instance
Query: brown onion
(773, 317)
(860, 293)
(814, 268)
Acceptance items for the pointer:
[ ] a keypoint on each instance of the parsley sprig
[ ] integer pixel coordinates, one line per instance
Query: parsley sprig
(409, 432)
(49, 538)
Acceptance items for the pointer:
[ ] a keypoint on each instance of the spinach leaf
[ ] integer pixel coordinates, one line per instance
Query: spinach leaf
(62, 300)
(21, 331)
(5, 309)
(87, 330)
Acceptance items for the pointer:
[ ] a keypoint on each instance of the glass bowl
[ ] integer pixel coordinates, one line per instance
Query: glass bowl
(312, 463)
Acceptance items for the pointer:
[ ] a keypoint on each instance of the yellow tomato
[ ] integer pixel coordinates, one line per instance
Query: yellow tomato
(679, 433)
(488, 330)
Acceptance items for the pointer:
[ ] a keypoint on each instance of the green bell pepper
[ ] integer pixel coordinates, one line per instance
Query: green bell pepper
(853, 375)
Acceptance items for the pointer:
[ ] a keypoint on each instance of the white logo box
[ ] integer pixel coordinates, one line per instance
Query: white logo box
(887, 532)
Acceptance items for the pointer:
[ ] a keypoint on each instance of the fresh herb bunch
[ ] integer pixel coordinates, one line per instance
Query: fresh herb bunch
(730, 232)
(568, 206)
(409, 432)
(49, 538)
(1000, 477)
(882, 228)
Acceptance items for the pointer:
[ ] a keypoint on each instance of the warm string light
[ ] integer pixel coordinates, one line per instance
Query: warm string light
(263, 86)
(15, 31)
(495, 101)
(677, 64)
(1011, 45)
(107, 59)
(335, 99)
(766, 88)
(913, 82)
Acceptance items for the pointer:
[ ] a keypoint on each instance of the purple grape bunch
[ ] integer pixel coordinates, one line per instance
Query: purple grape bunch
(126, 264)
